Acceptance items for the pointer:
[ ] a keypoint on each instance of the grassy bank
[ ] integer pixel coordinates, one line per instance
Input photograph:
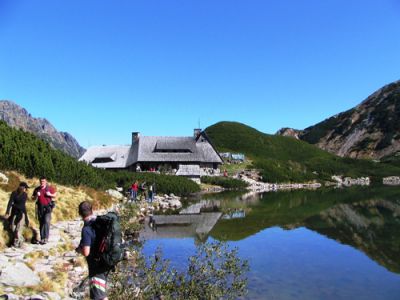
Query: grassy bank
(285, 159)
(225, 182)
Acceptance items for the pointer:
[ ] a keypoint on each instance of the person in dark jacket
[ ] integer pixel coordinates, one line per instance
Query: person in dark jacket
(97, 273)
(17, 206)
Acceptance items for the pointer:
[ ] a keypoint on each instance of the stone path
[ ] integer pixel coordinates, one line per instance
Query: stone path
(53, 267)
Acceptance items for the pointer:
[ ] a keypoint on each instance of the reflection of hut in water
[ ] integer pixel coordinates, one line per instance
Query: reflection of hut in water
(181, 226)
(201, 206)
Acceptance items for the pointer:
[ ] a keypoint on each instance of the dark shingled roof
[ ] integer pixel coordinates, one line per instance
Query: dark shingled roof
(154, 149)
(172, 149)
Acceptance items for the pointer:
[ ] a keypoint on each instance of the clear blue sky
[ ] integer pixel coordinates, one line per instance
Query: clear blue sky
(102, 69)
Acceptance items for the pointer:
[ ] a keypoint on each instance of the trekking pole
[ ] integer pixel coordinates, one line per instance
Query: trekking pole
(77, 291)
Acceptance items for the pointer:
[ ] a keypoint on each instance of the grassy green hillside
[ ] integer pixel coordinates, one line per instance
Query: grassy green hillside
(284, 159)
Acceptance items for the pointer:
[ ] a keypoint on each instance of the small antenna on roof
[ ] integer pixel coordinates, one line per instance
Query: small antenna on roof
(199, 123)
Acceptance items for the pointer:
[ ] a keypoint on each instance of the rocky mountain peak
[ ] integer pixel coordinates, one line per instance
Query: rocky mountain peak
(286, 131)
(369, 130)
(18, 117)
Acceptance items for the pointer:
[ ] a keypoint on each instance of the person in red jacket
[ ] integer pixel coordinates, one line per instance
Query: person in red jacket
(44, 196)
(134, 190)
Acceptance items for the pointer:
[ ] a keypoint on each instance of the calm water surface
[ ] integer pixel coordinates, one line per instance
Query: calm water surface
(327, 244)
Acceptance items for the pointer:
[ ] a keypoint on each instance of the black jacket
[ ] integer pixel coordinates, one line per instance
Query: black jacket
(17, 205)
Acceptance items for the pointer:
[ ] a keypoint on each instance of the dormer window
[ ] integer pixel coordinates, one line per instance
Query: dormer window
(104, 158)
(163, 146)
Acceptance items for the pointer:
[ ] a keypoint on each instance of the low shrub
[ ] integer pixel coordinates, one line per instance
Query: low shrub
(225, 182)
(213, 272)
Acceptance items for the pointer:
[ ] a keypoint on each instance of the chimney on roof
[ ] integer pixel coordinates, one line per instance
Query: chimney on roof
(196, 132)
(135, 137)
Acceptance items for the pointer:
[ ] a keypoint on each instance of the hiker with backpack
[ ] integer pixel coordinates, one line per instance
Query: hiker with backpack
(101, 245)
(44, 196)
(17, 206)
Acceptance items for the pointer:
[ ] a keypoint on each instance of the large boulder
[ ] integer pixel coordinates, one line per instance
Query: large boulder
(18, 274)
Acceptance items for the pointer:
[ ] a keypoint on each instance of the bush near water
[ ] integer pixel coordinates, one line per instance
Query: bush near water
(24, 152)
(225, 182)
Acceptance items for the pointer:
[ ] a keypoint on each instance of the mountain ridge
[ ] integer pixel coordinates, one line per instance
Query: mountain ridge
(18, 117)
(369, 130)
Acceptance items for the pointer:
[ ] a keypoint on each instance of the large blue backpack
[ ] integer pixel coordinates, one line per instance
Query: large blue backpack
(107, 248)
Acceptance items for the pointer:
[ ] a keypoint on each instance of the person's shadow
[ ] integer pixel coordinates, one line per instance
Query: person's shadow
(7, 228)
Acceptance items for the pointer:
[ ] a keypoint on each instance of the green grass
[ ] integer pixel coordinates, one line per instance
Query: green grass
(285, 159)
(235, 168)
(225, 182)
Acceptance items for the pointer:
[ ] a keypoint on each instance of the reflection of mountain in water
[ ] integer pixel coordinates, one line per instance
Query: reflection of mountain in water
(371, 226)
(365, 218)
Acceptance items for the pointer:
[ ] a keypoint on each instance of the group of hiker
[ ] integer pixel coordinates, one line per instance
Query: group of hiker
(142, 191)
(17, 215)
(100, 237)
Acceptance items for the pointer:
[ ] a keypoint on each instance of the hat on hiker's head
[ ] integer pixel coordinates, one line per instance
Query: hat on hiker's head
(24, 184)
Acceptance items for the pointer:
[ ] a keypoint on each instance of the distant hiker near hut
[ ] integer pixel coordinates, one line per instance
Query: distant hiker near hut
(143, 190)
(134, 190)
(151, 191)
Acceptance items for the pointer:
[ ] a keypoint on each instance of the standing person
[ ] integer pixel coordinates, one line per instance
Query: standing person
(44, 205)
(97, 273)
(17, 206)
(151, 192)
(134, 190)
(143, 190)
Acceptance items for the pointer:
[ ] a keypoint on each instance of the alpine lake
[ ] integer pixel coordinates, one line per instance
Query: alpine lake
(322, 244)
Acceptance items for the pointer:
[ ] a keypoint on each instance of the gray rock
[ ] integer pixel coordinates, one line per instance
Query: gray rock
(52, 296)
(3, 178)
(391, 180)
(11, 297)
(115, 194)
(175, 203)
(19, 275)
(35, 297)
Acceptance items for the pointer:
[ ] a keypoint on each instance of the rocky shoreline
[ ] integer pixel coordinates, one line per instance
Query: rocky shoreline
(260, 187)
(338, 181)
